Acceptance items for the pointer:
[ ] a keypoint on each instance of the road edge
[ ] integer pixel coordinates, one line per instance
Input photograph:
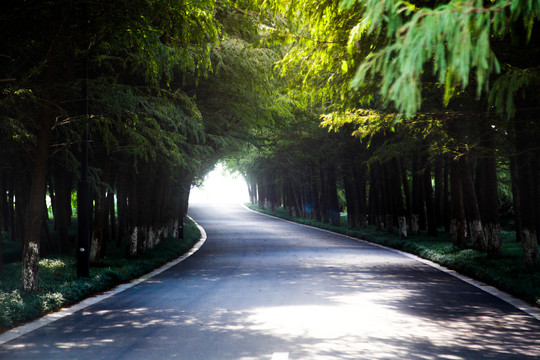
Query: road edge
(47, 319)
(515, 302)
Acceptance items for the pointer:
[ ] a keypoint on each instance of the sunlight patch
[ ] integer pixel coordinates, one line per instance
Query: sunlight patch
(220, 187)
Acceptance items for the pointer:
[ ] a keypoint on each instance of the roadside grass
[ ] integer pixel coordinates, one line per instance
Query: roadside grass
(506, 273)
(59, 285)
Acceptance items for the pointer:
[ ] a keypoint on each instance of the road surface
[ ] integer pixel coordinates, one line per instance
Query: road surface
(265, 289)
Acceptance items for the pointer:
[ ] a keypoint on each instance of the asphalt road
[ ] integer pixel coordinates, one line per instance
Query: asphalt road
(262, 288)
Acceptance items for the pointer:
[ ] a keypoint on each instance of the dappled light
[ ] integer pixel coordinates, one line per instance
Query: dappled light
(53, 264)
(412, 124)
(266, 288)
(353, 315)
(432, 109)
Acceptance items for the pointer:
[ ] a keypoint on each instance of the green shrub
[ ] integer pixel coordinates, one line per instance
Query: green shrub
(506, 273)
(59, 285)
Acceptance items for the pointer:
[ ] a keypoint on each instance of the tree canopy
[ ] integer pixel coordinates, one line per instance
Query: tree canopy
(445, 89)
(416, 115)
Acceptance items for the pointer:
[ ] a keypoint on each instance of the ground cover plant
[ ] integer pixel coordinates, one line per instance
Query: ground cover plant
(59, 285)
(506, 273)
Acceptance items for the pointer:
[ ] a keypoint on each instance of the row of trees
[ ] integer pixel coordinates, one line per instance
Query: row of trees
(441, 99)
(162, 89)
(398, 180)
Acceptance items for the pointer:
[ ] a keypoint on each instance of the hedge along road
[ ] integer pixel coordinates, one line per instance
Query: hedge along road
(263, 288)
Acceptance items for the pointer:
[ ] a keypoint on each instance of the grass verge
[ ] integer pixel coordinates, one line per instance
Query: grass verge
(506, 273)
(59, 285)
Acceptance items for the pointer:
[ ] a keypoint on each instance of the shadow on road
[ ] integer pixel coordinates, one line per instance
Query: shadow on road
(261, 286)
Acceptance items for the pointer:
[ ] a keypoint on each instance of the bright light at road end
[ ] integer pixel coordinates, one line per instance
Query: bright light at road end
(221, 187)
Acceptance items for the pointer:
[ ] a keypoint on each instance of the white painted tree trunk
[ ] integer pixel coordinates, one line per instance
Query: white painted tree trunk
(414, 224)
(402, 221)
(95, 249)
(30, 267)
(133, 240)
(173, 229)
(151, 238)
(477, 235)
(457, 232)
(493, 240)
(530, 248)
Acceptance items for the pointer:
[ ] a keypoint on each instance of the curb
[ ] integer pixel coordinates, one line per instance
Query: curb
(47, 319)
(515, 302)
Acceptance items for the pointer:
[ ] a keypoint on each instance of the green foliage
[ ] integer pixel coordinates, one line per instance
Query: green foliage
(510, 85)
(240, 99)
(144, 125)
(504, 188)
(318, 63)
(399, 49)
(366, 122)
(454, 39)
(157, 39)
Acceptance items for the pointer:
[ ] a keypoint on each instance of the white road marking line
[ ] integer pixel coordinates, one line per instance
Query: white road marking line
(280, 356)
(515, 302)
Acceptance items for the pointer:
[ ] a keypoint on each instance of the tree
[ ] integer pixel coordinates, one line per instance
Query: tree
(145, 42)
(419, 58)
(461, 43)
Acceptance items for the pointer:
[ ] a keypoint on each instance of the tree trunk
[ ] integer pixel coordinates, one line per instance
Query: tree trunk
(51, 246)
(406, 189)
(183, 194)
(288, 201)
(486, 180)
(133, 230)
(252, 190)
(34, 211)
(457, 218)
(524, 123)
(62, 208)
(430, 206)
(21, 202)
(417, 201)
(394, 180)
(439, 193)
(351, 197)
(315, 196)
(4, 213)
(12, 225)
(111, 215)
(101, 232)
(99, 229)
(262, 190)
(536, 183)
(375, 198)
(387, 195)
(274, 195)
(446, 194)
(402, 223)
(330, 190)
(3, 204)
(472, 211)
(123, 211)
(360, 173)
(296, 209)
